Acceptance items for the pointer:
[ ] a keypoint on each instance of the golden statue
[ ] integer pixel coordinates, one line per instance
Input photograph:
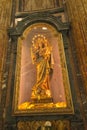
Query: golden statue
(41, 53)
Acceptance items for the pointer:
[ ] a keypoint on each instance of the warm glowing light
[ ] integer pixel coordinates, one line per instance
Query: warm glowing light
(28, 105)
(44, 28)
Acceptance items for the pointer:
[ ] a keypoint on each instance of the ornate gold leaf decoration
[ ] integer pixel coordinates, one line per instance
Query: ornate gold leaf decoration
(35, 125)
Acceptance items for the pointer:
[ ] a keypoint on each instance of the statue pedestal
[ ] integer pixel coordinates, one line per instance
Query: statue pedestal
(42, 100)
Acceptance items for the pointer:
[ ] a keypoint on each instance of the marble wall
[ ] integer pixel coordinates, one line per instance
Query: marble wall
(77, 14)
(5, 17)
(34, 5)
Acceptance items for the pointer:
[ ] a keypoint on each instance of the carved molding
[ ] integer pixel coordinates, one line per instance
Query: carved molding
(37, 18)
(35, 125)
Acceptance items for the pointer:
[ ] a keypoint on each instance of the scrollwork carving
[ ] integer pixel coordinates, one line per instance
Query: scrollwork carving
(35, 125)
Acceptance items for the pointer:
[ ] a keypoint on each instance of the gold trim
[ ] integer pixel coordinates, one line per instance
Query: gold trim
(48, 108)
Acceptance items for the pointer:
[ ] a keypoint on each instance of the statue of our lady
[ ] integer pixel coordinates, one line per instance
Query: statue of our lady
(41, 51)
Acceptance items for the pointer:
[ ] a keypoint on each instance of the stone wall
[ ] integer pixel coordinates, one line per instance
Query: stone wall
(77, 16)
(34, 5)
(77, 12)
(5, 17)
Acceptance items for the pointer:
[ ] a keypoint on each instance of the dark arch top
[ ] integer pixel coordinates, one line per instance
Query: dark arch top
(37, 18)
(42, 17)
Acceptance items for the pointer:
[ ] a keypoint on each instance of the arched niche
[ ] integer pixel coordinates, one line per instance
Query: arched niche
(50, 27)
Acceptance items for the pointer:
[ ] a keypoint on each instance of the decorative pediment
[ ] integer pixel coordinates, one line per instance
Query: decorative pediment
(38, 18)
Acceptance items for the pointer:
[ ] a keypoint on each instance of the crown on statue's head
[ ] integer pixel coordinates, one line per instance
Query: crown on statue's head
(38, 37)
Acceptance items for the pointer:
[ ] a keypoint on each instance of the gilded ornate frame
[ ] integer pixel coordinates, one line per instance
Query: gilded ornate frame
(65, 108)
